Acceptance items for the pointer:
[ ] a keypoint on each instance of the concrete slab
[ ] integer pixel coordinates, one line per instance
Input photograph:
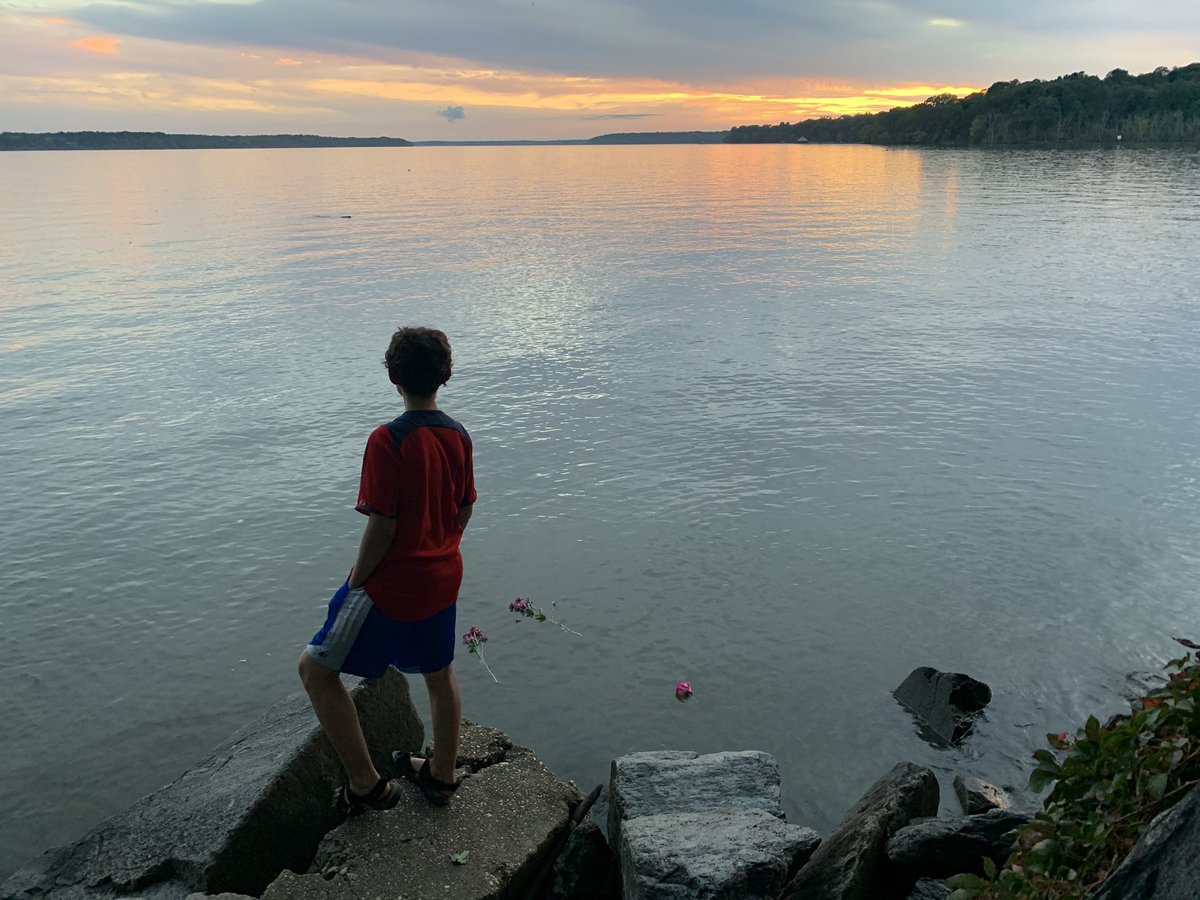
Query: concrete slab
(508, 818)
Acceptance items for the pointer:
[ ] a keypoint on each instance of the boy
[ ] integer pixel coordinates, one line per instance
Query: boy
(398, 605)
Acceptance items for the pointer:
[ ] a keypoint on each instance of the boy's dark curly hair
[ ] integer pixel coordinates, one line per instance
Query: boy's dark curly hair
(418, 360)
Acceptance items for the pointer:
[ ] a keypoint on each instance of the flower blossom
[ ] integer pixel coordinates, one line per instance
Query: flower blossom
(475, 639)
(524, 607)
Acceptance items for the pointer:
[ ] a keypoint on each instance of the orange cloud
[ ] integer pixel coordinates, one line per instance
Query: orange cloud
(286, 61)
(104, 45)
(142, 91)
(482, 88)
(57, 20)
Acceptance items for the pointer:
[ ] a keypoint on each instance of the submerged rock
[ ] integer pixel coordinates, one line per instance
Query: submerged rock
(946, 703)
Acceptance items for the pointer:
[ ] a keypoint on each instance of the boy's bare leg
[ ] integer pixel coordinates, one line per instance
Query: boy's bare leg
(446, 710)
(339, 719)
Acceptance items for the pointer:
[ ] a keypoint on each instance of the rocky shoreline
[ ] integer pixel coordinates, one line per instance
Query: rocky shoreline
(253, 820)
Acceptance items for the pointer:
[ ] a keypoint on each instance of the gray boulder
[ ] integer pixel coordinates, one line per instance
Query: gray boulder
(929, 889)
(508, 818)
(678, 781)
(945, 703)
(1162, 864)
(851, 864)
(691, 827)
(978, 796)
(260, 803)
(939, 848)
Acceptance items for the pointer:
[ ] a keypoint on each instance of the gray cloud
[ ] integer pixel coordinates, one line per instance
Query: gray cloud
(452, 113)
(710, 41)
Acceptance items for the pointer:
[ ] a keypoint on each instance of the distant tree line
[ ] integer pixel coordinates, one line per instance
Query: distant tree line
(157, 140)
(1159, 106)
(662, 137)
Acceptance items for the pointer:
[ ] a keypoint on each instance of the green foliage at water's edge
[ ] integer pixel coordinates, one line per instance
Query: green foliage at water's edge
(1109, 781)
(1162, 106)
(157, 140)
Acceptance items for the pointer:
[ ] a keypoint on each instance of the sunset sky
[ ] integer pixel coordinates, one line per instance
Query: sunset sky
(541, 69)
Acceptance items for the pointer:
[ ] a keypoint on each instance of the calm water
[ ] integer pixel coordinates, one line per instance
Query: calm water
(783, 421)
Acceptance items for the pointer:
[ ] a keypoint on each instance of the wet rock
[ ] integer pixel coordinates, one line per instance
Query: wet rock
(690, 826)
(978, 796)
(945, 703)
(258, 804)
(1162, 864)
(939, 848)
(508, 819)
(851, 864)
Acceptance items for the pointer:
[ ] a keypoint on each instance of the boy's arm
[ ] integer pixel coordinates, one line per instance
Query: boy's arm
(376, 539)
(464, 515)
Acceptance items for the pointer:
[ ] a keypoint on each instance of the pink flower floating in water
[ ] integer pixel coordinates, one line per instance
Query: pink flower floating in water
(683, 691)
(1060, 741)
(475, 639)
(528, 610)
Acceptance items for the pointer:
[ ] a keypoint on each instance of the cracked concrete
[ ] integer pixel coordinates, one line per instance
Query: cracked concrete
(509, 817)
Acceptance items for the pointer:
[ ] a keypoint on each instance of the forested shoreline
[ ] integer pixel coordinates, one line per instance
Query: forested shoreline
(1162, 106)
(157, 140)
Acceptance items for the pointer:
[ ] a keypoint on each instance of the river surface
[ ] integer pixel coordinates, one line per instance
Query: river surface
(783, 421)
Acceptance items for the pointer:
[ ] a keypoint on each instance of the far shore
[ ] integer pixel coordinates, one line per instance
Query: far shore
(128, 140)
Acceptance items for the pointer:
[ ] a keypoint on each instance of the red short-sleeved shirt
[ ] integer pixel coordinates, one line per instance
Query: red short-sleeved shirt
(418, 470)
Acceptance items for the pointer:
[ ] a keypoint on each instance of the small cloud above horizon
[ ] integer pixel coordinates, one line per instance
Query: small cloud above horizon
(452, 113)
(105, 46)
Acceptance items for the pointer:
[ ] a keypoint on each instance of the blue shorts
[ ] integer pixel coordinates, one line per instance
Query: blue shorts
(360, 640)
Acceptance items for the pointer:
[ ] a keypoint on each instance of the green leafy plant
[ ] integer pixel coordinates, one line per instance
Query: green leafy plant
(1107, 783)
(460, 858)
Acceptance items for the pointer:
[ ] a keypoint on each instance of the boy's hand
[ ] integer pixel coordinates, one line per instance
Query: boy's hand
(350, 579)
(376, 539)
